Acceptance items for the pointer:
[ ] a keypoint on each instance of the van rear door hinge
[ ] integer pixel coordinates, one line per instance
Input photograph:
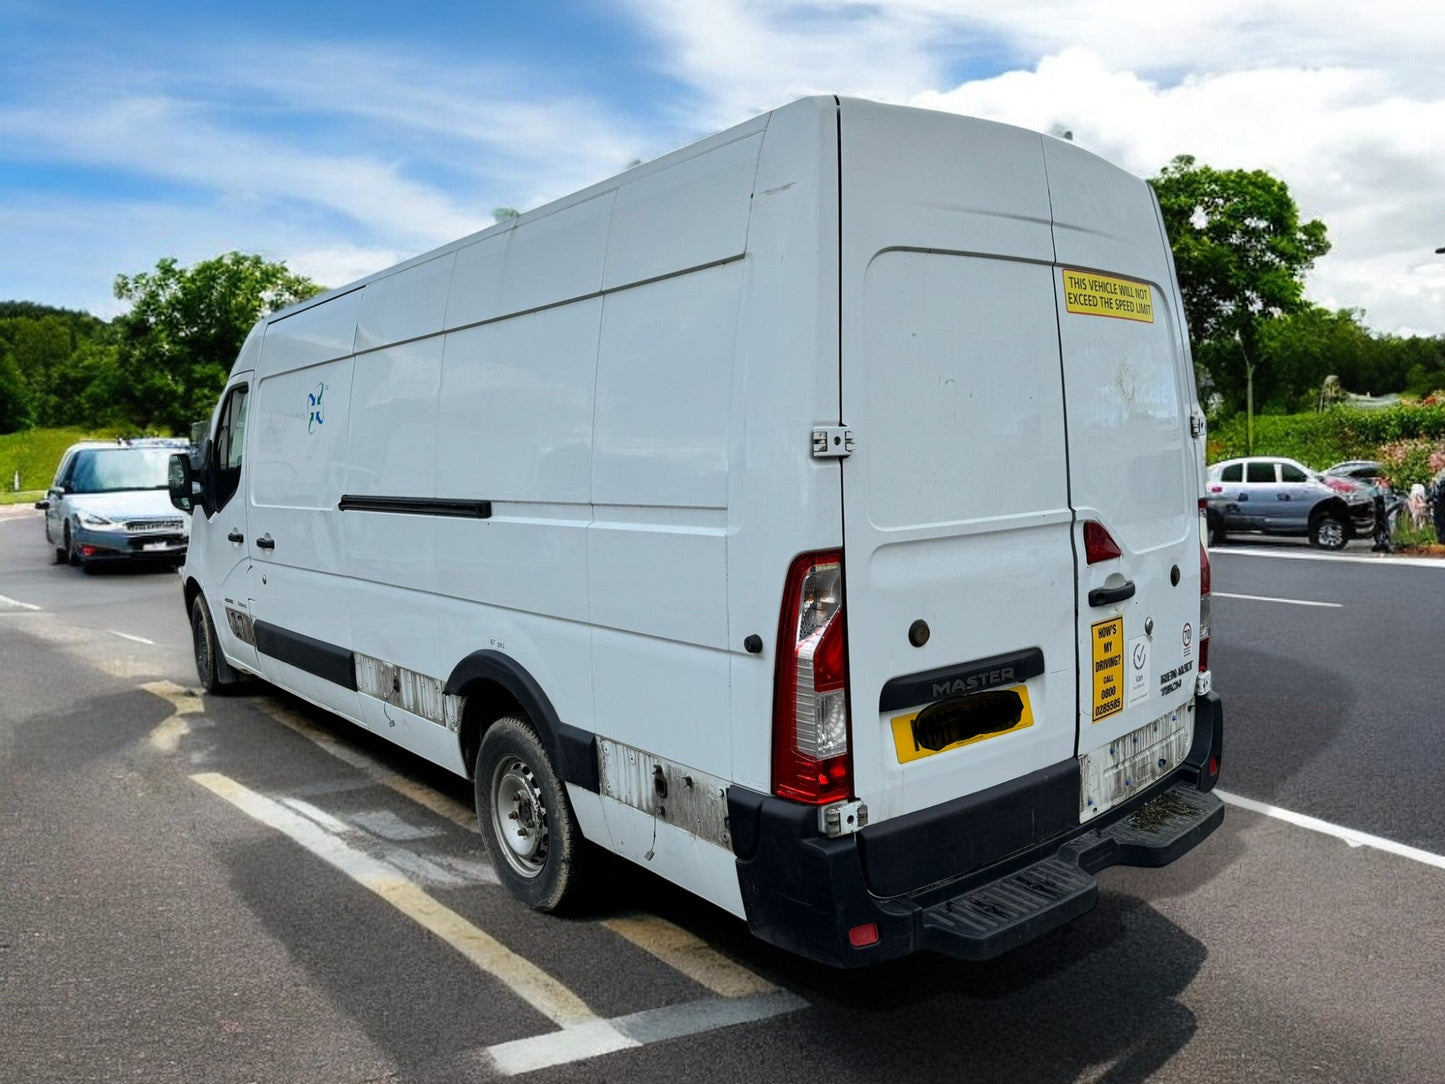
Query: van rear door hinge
(832, 443)
(1197, 423)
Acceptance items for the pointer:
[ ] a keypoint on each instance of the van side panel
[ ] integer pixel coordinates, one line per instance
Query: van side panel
(297, 440)
(657, 546)
(781, 500)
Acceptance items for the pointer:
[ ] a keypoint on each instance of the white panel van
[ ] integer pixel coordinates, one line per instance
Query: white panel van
(811, 516)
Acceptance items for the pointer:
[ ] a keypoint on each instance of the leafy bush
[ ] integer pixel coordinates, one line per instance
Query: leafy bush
(1334, 435)
(1411, 461)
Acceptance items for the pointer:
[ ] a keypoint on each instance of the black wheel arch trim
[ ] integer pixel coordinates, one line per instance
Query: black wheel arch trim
(572, 749)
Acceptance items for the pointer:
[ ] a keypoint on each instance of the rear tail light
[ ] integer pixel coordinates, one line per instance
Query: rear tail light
(811, 762)
(1204, 605)
(1099, 545)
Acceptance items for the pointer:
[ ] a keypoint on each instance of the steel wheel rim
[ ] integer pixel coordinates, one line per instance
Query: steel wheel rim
(519, 817)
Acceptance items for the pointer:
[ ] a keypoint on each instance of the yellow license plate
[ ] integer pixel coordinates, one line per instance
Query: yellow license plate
(964, 720)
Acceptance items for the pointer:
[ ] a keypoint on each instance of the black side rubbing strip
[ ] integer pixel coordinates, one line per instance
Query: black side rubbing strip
(965, 677)
(417, 506)
(314, 656)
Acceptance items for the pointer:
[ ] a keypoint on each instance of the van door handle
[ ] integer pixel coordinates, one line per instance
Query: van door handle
(266, 542)
(1107, 596)
(235, 536)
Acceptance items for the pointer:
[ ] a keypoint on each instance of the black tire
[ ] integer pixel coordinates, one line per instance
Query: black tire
(212, 670)
(1329, 532)
(71, 557)
(526, 821)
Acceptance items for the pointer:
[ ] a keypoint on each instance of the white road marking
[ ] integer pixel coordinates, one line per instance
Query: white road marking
(1378, 559)
(133, 639)
(424, 796)
(745, 997)
(320, 816)
(1349, 835)
(653, 1025)
(1288, 601)
(525, 979)
(6, 600)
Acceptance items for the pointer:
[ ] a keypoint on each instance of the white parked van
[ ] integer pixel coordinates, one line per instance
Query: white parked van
(811, 516)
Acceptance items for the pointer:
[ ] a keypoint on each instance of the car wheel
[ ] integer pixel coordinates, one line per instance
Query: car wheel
(212, 670)
(526, 820)
(1329, 532)
(71, 557)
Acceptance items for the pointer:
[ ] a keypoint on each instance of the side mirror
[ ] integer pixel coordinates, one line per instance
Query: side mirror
(44, 505)
(182, 483)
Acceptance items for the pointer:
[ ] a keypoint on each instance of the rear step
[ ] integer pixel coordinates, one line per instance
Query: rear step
(993, 918)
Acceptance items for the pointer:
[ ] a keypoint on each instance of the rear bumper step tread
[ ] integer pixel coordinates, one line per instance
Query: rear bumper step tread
(995, 917)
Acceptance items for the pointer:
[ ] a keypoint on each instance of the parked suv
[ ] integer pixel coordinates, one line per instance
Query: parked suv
(1280, 496)
(109, 502)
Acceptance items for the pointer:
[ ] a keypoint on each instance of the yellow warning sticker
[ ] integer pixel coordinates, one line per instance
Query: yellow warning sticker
(1107, 638)
(1090, 294)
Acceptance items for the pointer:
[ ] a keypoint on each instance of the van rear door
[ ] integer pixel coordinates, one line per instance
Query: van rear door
(959, 566)
(1135, 469)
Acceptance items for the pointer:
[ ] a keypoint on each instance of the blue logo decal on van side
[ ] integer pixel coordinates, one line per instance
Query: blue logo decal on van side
(315, 397)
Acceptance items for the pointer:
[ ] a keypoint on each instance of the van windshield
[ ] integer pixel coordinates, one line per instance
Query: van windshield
(108, 470)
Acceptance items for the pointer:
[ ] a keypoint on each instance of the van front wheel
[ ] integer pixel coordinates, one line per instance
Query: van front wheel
(526, 820)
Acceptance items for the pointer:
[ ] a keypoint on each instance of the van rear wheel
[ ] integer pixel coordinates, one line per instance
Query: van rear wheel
(526, 821)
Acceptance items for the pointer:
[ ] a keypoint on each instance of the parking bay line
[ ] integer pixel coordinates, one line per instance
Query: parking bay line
(1348, 835)
(1287, 601)
(583, 1034)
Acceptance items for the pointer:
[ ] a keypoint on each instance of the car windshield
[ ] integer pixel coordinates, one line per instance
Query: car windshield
(108, 470)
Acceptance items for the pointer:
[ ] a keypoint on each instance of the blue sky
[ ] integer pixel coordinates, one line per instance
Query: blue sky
(342, 138)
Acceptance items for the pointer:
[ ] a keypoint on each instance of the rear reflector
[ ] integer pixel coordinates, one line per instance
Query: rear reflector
(864, 935)
(811, 761)
(1099, 545)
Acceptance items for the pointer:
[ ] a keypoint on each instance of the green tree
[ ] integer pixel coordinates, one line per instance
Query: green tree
(1241, 252)
(16, 411)
(185, 328)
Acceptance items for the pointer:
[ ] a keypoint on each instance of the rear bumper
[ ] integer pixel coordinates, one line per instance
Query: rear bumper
(998, 869)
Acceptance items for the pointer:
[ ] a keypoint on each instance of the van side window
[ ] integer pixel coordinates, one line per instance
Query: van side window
(229, 445)
(1232, 473)
(1290, 473)
(1260, 472)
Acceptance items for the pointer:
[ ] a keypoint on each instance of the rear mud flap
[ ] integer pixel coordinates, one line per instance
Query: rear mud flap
(994, 918)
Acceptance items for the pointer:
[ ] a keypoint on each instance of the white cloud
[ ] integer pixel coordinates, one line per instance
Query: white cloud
(1345, 105)
(342, 157)
(1353, 156)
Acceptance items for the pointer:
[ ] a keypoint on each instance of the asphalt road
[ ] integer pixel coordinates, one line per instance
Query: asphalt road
(243, 889)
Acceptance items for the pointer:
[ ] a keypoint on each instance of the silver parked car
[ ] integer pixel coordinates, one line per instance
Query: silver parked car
(1278, 496)
(110, 502)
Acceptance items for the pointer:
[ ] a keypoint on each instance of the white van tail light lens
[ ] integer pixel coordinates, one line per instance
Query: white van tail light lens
(1099, 544)
(1204, 605)
(810, 692)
